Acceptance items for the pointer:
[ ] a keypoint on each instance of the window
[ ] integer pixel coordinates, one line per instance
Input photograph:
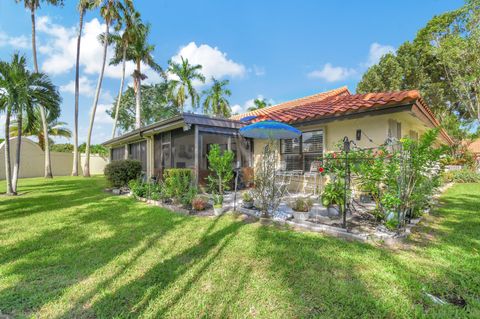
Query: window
(299, 153)
(138, 151)
(118, 153)
(394, 129)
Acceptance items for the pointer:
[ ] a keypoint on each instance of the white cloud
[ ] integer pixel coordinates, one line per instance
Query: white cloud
(101, 116)
(239, 109)
(378, 50)
(86, 87)
(213, 61)
(59, 46)
(258, 71)
(20, 42)
(332, 73)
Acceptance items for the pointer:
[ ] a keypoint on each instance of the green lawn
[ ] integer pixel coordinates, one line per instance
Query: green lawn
(67, 249)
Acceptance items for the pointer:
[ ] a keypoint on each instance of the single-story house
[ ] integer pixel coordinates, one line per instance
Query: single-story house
(324, 118)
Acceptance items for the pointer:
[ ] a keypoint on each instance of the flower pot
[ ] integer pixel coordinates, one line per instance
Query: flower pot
(333, 211)
(248, 205)
(217, 210)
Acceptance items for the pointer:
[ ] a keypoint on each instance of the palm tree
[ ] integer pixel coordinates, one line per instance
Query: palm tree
(83, 6)
(33, 5)
(55, 128)
(259, 103)
(131, 19)
(7, 108)
(183, 88)
(109, 12)
(216, 102)
(22, 93)
(141, 52)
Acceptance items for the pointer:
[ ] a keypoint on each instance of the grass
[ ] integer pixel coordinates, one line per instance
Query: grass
(67, 249)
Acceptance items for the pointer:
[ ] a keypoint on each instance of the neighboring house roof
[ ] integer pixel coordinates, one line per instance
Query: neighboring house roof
(340, 102)
(474, 147)
(182, 120)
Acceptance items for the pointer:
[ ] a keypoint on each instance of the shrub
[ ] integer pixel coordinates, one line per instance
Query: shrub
(138, 188)
(392, 224)
(302, 204)
(188, 197)
(217, 200)
(119, 173)
(199, 203)
(462, 176)
(178, 182)
(221, 169)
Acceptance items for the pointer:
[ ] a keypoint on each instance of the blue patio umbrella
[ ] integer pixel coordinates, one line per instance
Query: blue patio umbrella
(270, 130)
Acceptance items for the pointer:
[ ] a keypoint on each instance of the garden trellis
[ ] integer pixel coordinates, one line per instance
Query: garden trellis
(400, 176)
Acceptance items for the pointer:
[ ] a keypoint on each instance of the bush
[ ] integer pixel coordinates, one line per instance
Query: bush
(188, 197)
(119, 173)
(302, 204)
(138, 188)
(178, 182)
(199, 203)
(461, 176)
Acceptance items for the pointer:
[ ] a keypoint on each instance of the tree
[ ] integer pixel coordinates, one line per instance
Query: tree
(23, 93)
(55, 128)
(131, 20)
(140, 51)
(33, 5)
(155, 106)
(259, 103)
(443, 64)
(182, 87)
(109, 12)
(83, 6)
(221, 169)
(216, 102)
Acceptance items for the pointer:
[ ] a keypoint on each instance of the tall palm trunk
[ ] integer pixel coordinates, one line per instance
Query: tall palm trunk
(48, 168)
(86, 169)
(16, 167)
(77, 94)
(117, 108)
(8, 170)
(138, 96)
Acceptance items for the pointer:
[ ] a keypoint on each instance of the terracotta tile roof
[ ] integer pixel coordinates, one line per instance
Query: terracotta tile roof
(340, 102)
(294, 103)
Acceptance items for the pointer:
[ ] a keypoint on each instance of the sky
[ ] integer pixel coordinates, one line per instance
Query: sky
(278, 50)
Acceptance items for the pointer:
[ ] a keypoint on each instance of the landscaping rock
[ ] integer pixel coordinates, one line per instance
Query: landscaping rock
(116, 191)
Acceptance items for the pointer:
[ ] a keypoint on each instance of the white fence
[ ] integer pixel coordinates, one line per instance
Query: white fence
(32, 162)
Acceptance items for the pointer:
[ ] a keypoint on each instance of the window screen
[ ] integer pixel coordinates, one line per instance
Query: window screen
(138, 151)
(118, 153)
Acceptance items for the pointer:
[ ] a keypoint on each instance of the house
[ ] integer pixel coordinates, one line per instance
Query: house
(324, 118)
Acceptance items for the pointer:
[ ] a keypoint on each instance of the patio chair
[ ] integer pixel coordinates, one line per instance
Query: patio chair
(308, 184)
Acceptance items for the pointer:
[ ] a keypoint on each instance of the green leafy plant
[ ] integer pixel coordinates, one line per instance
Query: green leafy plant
(461, 176)
(178, 182)
(119, 173)
(188, 197)
(221, 169)
(302, 204)
(217, 200)
(247, 197)
(138, 189)
(392, 224)
(333, 194)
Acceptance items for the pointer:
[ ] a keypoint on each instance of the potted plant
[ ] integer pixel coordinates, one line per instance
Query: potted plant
(247, 200)
(300, 207)
(218, 204)
(332, 198)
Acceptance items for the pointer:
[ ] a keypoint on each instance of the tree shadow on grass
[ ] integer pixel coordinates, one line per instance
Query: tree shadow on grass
(146, 294)
(66, 251)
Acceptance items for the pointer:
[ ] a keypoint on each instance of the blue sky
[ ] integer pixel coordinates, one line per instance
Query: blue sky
(279, 50)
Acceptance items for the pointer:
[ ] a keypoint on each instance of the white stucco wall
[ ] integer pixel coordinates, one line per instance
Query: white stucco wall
(32, 160)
